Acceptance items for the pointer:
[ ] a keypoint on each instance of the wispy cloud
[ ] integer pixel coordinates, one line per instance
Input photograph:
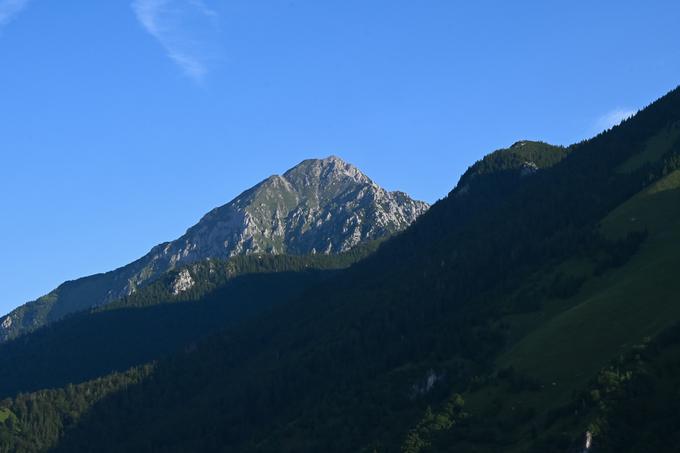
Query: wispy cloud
(613, 118)
(186, 29)
(9, 9)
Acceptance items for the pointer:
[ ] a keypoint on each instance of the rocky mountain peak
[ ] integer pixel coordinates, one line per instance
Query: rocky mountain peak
(314, 207)
(319, 206)
(331, 169)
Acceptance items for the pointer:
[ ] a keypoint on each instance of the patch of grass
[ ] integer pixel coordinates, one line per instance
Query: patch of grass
(4, 414)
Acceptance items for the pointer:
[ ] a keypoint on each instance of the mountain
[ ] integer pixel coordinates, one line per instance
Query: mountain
(222, 286)
(532, 309)
(324, 206)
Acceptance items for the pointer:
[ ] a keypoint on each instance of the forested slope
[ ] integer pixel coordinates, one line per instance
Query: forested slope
(161, 318)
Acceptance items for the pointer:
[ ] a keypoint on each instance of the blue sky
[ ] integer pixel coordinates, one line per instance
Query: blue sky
(121, 123)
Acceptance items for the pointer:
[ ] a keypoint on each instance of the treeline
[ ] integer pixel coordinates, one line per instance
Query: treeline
(154, 322)
(35, 421)
(212, 273)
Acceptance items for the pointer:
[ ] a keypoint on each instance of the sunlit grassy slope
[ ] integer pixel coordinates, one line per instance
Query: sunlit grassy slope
(616, 310)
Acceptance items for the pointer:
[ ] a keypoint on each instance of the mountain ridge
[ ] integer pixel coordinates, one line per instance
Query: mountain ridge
(318, 206)
(496, 176)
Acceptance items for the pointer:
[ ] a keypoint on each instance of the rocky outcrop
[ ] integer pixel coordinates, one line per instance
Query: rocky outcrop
(320, 206)
(183, 282)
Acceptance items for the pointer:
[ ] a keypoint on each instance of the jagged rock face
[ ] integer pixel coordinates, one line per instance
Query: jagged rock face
(319, 206)
(183, 282)
(528, 168)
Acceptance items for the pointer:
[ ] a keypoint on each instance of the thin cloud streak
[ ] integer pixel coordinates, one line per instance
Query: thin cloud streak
(203, 8)
(613, 118)
(9, 10)
(179, 27)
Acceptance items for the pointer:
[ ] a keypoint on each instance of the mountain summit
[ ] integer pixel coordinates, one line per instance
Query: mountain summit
(319, 206)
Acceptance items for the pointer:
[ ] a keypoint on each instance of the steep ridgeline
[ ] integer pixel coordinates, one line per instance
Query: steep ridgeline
(320, 206)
